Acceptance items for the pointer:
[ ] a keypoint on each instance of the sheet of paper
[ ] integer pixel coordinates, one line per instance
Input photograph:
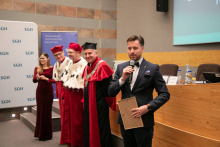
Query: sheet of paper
(166, 78)
(172, 80)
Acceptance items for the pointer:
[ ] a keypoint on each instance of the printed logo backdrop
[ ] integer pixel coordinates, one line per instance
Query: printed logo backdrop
(51, 39)
(18, 58)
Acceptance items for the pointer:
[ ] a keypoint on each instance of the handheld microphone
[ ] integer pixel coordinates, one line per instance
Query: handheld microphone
(131, 75)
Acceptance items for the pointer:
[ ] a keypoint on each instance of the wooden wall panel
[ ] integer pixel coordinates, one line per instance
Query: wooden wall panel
(181, 58)
(192, 108)
(115, 128)
(166, 136)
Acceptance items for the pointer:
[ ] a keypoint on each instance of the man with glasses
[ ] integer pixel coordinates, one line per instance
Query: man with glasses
(72, 129)
(58, 69)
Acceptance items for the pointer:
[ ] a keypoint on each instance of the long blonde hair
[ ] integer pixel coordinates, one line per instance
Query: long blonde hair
(40, 67)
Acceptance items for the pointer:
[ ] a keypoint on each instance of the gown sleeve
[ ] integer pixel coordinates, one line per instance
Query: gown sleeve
(50, 79)
(34, 77)
(111, 101)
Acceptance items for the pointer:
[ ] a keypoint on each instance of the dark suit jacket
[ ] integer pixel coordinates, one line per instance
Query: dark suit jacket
(149, 77)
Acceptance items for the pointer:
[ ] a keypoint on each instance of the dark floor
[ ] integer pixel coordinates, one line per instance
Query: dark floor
(15, 133)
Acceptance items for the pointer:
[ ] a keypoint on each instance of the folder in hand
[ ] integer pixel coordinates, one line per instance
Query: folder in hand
(125, 107)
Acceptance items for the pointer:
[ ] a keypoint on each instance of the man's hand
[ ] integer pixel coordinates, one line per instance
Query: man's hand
(138, 112)
(126, 72)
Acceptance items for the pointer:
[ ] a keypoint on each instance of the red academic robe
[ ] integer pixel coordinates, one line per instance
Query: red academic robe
(72, 128)
(60, 94)
(97, 132)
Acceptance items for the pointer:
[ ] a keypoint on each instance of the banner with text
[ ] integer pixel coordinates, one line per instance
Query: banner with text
(18, 58)
(51, 39)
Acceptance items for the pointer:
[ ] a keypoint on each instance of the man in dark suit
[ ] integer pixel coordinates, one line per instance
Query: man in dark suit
(146, 77)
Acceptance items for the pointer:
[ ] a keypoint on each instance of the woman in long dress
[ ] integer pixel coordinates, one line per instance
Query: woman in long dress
(44, 98)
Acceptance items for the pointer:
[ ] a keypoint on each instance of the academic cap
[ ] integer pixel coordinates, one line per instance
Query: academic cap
(75, 46)
(89, 45)
(57, 49)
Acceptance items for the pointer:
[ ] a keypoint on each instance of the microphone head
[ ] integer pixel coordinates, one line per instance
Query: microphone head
(132, 62)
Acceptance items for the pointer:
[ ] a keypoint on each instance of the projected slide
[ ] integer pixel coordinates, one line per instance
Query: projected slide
(196, 21)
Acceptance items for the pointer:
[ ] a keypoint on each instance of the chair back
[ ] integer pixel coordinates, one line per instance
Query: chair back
(169, 69)
(206, 68)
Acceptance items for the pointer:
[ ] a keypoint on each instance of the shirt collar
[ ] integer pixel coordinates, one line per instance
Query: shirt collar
(140, 61)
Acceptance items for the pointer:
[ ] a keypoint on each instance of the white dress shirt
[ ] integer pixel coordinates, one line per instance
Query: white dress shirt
(135, 74)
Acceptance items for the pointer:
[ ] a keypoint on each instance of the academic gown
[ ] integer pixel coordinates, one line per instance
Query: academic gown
(72, 128)
(60, 93)
(97, 132)
(59, 85)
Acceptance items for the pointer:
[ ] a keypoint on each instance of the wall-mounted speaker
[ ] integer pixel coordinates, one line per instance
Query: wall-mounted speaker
(162, 5)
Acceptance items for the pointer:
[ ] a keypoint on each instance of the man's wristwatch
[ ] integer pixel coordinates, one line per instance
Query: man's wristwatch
(149, 107)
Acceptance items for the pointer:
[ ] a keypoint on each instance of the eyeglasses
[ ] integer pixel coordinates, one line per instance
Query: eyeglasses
(42, 58)
(58, 54)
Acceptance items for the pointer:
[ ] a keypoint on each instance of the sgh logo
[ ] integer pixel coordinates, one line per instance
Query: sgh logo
(3, 28)
(17, 65)
(29, 53)
(29, 76)
(5, 101)
(28, 29)
(18, 88)
(16, 41)
(31, 99)
(4, 53)
(5, 77)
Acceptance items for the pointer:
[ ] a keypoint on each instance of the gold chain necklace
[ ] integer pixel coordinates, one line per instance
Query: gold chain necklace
(93, 71)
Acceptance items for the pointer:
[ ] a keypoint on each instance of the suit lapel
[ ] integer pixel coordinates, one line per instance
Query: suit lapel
(142, 69)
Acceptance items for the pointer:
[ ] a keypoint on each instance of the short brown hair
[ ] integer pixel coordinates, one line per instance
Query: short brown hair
(136, 37)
